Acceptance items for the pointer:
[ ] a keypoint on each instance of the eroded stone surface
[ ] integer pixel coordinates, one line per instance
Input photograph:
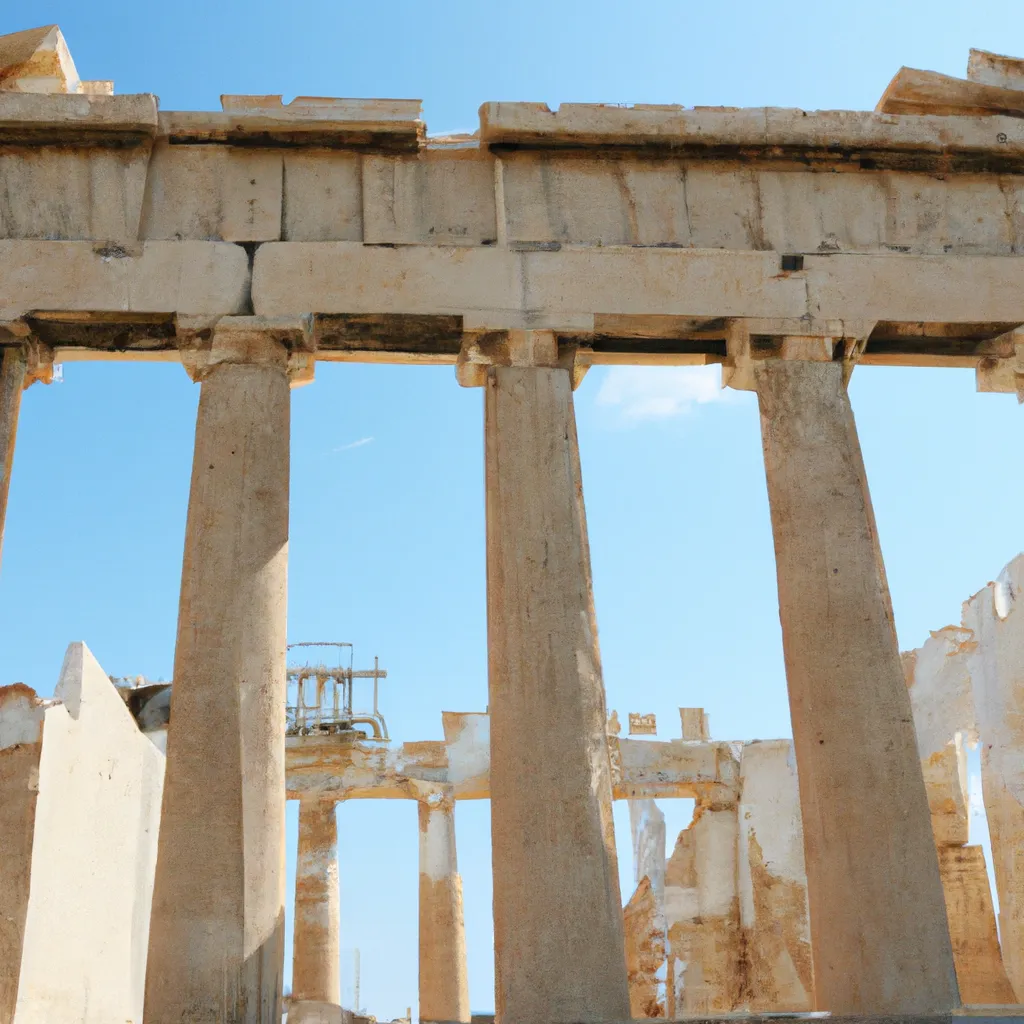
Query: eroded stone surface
(134, 234)
(75, 894)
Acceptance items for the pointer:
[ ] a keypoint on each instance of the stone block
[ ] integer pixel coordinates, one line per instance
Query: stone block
(61, 193)
(151, 277)
(93, 855)
(213, 193)
(437, 197)
(323, 196)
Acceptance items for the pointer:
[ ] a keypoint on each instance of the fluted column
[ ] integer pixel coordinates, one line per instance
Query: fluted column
(444, 981)
(558, 933)
(316, 966)
(880, 942)
(217, 928)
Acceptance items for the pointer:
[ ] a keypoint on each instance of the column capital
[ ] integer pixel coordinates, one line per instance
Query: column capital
(539, 348)
(37, 355)
(1004, 374)
(434, 796)
(206, 343)
(754, 340)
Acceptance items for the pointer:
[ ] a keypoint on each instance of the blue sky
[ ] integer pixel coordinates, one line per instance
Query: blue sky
(387, 536)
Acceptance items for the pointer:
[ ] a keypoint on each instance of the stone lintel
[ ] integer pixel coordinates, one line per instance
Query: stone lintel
(413, 304)
(66, 280)
(707, 772)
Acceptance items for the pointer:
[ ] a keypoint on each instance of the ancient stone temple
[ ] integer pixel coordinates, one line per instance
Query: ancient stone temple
(249, 243)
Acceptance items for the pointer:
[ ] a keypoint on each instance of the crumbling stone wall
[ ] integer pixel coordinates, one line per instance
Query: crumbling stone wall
(81, 824)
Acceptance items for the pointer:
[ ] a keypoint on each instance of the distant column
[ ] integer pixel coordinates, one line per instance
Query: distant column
(316, 966)
(558, 932)
(880, 943)
(216, 942)
(444, 981)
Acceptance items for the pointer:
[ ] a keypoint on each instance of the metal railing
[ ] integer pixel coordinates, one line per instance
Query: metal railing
(320, 698)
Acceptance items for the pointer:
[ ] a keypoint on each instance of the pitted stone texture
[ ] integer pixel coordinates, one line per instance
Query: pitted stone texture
(558, 931)
(316, 970)
(859, 772)
(443, 975)
(217, 937)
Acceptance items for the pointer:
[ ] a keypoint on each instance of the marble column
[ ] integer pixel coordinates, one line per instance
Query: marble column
(316, 966)
(443, 978)
(217, 929)
(558, 932)
(880, 941)
(12, 383)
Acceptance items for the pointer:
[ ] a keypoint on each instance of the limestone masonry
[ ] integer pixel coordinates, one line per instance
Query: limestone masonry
(142, 839)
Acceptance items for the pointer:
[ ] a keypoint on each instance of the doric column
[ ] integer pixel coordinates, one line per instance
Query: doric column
(880, 942)
(217, 928)
(316, 967)
(20, 365)
(444, 981)
(558, 934)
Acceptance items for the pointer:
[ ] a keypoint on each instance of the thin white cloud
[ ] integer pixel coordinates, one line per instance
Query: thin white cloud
(640, 393)
(353, 444)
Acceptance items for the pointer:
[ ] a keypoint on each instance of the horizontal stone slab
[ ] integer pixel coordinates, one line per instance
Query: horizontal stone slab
(470, 197)
(770, 133)
(27, 118)
(338, 769)
(562, 285)
(369, 125)
(338, 277)
(185, 278)
(1012, 1014)
(417, 304)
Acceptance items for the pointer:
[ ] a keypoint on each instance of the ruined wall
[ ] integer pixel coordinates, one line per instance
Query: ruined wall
(21, 731)
(996, 664)
(979, 966)
(702, 913)
(956, 680)
(772, 881)
(736, 896)
(93, 855)
(725, 921)
(644, 916)
(644, 926)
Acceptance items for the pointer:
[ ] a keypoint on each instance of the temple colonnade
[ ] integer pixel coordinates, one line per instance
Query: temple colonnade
(249, 243)
(217, 924)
